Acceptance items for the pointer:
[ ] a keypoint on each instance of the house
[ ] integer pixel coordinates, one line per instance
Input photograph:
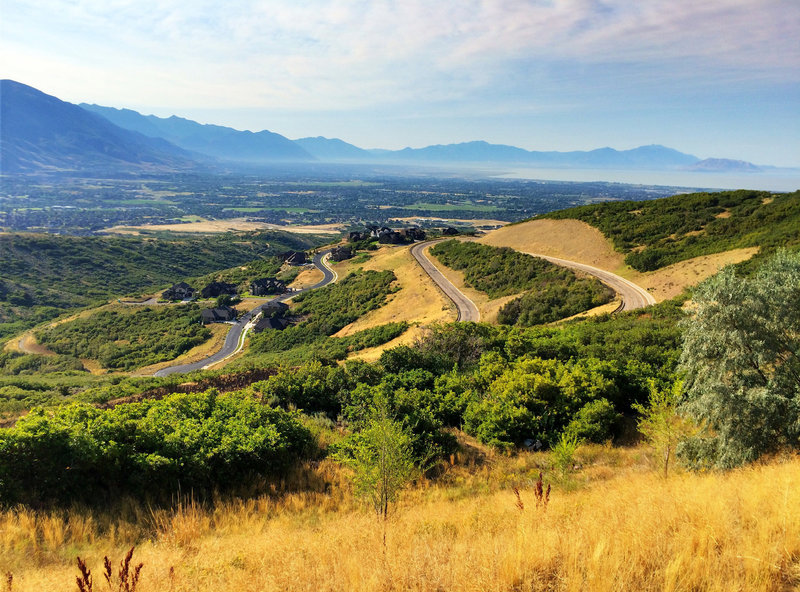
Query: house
(274, 306)
(265, 323)
(179, 291)
(413, 234)
(220, 314)
(215, 289)
(295, 258)
(264, 286)
(341, 253)
(391, 237)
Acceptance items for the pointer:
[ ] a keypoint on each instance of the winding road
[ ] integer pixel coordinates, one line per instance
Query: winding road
(234, 340)
(467, 311)
(632, 296)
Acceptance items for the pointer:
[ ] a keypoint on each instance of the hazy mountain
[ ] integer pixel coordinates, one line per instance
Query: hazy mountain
(466, 152)
(724, 165)
(213, 140)
(332, 149)
(483, 152)
(39, 132)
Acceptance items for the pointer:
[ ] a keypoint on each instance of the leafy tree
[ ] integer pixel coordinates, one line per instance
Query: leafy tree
(382, 459)
(660, 422)
(741, 358)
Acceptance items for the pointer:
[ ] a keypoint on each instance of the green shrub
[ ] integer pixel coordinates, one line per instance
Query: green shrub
(595, 422)
(184, 443)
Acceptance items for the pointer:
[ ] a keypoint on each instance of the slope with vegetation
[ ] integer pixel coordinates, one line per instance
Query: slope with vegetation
(126, 339)
(551, 292)
(654, 234)
(321, 314)
(270, 463)
(45, 275)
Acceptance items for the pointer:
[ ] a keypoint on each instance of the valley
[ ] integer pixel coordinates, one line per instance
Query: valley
(400, 296)
(478, 386)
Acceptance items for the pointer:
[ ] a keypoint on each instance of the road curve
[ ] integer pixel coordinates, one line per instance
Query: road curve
(234, 340)
(633, 296)
(467, 311)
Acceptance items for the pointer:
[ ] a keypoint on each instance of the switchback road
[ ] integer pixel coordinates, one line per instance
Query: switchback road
(467, 311)
(633, 296)
(234, 340)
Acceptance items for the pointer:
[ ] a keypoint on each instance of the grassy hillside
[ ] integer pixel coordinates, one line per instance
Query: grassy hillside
(653, 234)
(614, 525)
(44, 275)
(128, 338)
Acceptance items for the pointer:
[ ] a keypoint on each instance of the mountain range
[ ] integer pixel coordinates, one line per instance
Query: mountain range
(39, 132)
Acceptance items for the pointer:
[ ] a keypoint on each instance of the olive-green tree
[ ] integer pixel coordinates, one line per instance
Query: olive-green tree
(661, 423)
(741, 361)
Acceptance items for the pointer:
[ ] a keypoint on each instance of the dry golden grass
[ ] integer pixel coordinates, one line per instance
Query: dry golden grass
(418, 301)
(27, 344)
(230, 225)
(567, 239)
(626, 529)
(577, 241)
(307, 278)
(670, 281)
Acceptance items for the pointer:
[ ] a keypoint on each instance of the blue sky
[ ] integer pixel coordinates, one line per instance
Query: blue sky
(713, 78)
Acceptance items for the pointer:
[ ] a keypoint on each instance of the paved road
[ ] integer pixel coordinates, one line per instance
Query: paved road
(467, 311)
(633, 296)
(234, 340)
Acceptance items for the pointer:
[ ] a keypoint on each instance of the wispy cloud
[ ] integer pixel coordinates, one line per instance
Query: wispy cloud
(356, 53)
(553, 63)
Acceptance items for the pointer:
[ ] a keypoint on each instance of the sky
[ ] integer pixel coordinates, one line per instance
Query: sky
(713, 78)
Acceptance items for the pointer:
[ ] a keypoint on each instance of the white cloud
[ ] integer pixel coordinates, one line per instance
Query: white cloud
(356, 53)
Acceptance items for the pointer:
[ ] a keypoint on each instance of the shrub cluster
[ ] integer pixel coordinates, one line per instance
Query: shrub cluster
(125, 339)
(186, 442)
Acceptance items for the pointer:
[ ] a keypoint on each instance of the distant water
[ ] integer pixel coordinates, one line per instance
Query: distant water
(772, 180)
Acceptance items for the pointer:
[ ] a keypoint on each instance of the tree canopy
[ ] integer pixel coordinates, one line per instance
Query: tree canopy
(741, 359)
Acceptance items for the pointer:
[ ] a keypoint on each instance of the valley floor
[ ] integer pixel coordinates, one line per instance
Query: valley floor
(615, 524)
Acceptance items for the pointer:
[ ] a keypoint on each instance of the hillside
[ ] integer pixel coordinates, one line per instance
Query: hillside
(45, 275)
(212, 140)
(615, 526)
(654, 234)
(39, 132)
(516, 457)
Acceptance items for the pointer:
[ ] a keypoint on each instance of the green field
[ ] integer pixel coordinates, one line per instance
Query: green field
(460, 207)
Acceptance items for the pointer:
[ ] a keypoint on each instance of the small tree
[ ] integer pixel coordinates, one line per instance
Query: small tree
(660, 422)
(382, 460)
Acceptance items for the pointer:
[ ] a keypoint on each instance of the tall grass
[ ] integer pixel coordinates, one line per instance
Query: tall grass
(627, 530)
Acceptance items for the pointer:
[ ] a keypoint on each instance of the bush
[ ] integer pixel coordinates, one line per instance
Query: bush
(186, 442)
(595, 422)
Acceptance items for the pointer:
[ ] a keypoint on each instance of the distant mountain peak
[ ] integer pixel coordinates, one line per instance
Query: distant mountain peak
(724, 165)
(212, 140)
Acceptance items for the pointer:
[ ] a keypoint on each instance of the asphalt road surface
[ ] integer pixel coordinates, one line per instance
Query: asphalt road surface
(467, 311)
(633, 296)
(233, 339)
